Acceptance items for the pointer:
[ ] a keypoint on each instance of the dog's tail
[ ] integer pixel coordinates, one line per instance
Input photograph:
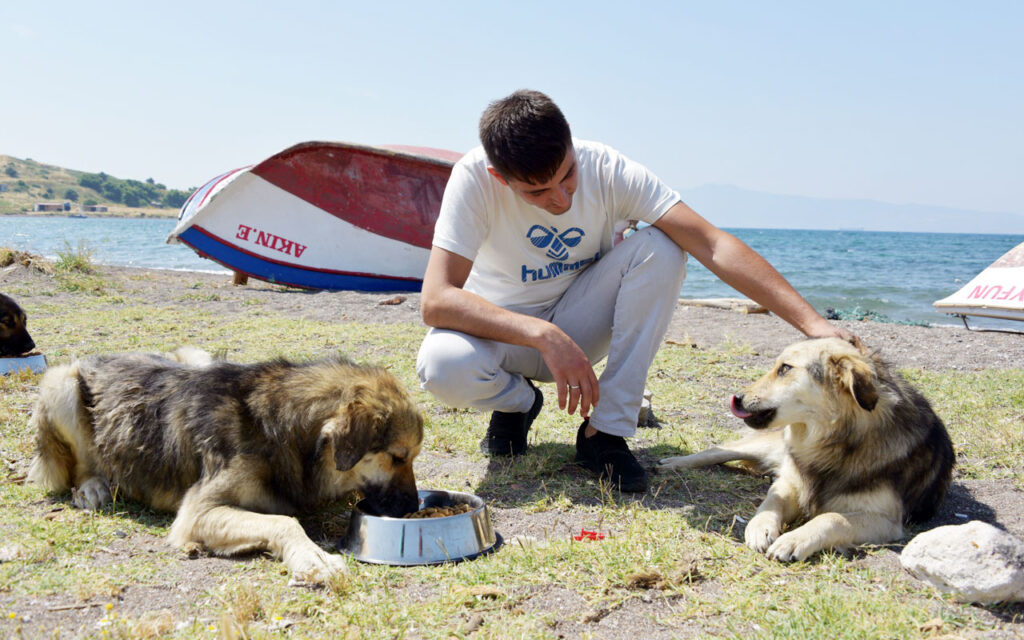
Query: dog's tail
(62, 426)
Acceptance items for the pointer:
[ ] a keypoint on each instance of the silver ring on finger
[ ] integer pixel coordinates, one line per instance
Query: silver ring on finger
(574, 386)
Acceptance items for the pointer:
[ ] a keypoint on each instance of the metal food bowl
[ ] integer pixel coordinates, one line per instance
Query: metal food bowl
(35, 362)
(416, 541)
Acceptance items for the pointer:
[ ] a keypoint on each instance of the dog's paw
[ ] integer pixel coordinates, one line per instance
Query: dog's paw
(92, 495)
(313, 568)
(794, 546)
(761, 531)
(193, 549)
(676, 462)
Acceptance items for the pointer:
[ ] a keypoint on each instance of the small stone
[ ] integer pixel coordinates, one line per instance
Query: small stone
(645, 580)
(975, 562)
(486, 591)
(473, 624)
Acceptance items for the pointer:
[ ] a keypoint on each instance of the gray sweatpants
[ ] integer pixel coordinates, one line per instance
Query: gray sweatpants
(620, 307)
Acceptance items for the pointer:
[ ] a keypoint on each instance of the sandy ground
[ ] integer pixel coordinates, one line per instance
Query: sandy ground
(934, 348)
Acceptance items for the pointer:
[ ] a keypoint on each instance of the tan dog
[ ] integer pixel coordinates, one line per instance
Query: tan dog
(233, 449)
(854, 449)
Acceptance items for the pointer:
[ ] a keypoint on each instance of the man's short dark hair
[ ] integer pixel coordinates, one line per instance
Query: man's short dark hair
(525, 136)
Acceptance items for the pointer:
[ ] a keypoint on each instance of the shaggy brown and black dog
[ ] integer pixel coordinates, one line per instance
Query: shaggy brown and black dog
(855, 450)
(14, 337)
(233, 449)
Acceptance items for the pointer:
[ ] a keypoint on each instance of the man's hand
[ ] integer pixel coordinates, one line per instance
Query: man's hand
(825, 329)
(444, 303)
(572, 371)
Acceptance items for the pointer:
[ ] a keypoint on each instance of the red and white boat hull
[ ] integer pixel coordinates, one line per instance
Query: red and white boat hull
(323, 216)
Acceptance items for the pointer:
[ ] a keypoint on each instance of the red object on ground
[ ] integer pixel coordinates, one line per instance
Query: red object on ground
(588, 535)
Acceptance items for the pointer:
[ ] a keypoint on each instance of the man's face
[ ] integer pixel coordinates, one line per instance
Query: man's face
(555, 195)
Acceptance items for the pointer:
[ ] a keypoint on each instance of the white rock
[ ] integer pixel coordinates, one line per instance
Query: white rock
(976, 562)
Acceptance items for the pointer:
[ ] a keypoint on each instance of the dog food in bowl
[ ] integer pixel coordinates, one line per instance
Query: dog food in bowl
(439, 512)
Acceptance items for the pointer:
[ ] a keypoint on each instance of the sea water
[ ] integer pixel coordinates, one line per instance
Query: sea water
(883, 275)
(880, 275)
(131, 242)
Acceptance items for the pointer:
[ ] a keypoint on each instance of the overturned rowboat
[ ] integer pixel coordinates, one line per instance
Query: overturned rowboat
(996, 292)
(323, 215)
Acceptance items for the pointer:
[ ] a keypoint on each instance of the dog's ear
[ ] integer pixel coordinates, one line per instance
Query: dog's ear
(855, 376)
(352, 433)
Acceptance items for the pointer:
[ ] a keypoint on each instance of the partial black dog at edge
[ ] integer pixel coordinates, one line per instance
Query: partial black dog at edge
(14, 337)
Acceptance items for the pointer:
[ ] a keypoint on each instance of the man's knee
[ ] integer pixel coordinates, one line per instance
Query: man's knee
(435, 363)
(657, 261)
(449, 366)
(662, 250)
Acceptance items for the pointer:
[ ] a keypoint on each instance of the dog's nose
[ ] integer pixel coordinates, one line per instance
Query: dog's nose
(736, 406)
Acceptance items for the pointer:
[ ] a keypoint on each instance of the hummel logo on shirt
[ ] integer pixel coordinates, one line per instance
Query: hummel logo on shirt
(557, 245)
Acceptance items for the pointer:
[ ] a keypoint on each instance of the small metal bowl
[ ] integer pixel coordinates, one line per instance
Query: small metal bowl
(418, 541)
(36, 363)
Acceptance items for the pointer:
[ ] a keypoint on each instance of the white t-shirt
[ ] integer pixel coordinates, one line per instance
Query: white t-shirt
(524, 256)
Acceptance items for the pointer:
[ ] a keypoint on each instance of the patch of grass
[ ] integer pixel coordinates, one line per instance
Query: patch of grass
(9, 256)
(75, 271)
(75, 282)
(984, 412)
(75, 260)
(199, 297)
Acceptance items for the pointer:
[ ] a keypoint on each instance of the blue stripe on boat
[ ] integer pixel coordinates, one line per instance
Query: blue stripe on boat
(278, 273)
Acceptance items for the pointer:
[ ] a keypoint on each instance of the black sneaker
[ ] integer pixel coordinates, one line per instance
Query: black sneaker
(609, 456)
(506, 433)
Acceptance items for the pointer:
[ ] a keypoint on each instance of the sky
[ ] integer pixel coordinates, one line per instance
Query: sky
(904, 102)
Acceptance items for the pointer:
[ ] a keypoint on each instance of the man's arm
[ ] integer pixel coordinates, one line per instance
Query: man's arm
(446, 305)
(745, 270)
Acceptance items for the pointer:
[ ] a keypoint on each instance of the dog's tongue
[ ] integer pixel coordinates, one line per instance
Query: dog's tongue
(737, 411)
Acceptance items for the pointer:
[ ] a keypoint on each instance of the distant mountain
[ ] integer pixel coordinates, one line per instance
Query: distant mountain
(729, 206)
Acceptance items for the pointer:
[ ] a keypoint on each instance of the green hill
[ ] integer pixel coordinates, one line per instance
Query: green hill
(26, 183)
